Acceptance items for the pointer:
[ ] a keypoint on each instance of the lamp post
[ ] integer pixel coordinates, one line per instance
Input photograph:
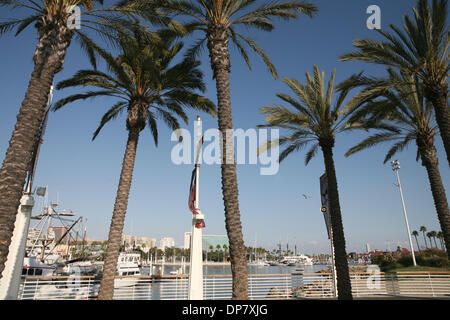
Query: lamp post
(195, 289)
(396, 167)
(326, 215)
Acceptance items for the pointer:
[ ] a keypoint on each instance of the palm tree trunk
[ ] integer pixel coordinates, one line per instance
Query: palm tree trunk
(430, 162)
(418, 248)
(425, 240)
(438, 97)
(220, 64)
(343, 275)
(118, 219)
(48, 60)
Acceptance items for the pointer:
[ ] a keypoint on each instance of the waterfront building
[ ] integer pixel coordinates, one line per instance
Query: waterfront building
(214, 241)
(145, 243)
(166, 242)
(208, 240)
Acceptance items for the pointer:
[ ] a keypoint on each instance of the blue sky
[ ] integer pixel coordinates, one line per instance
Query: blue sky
(85, 174)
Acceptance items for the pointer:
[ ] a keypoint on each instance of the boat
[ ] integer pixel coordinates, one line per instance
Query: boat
(259, 263)
(33, 267)
(298, 260)
(128, 265)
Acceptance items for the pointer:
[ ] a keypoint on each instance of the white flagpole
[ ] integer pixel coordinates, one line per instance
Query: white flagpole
(195, 291)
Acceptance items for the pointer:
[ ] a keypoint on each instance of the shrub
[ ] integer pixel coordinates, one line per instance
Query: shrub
(432, 252)
(427, 258)
(406, 260)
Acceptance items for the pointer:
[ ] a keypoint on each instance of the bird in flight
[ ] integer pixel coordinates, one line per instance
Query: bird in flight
(305, 196)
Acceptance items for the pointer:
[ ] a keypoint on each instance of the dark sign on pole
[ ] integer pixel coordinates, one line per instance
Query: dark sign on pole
(324, 200)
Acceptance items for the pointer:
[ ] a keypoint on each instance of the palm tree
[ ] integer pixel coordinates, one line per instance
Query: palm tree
(316, 121)
(434, 235)
(50, 18)
(148, 87)
(225, 248)
(415, 234)
(423, 229)
(430, 235)
(421, 48)
(217, 20)
(402, 115)
(440, 236)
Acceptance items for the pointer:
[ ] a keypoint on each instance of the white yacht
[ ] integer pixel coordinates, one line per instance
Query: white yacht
(298, 260)
(128, 264)
(258, 263)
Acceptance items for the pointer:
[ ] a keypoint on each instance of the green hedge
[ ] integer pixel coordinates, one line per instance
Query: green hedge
(426, 258)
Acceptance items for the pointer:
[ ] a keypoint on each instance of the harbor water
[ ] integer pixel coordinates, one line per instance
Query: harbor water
(226, 269)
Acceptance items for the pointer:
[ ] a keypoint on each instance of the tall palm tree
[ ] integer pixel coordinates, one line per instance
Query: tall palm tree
(403, 115)
(440, 236)
(218, 20)
(430, 235)
(50, 18)
(421, 48)
(423, 229)
(225, 248)
(415, 234)
(315, 120)
(148, 86)
(434, 235)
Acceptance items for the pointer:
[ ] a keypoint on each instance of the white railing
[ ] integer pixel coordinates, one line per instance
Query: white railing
(260, 286)
(219, 287)
(406, 284)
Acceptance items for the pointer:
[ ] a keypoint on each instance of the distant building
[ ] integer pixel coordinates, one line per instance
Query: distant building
(403, 250)
(145, 243)
(207, 241)
(376, 253)
(166, 242)
(214, 240)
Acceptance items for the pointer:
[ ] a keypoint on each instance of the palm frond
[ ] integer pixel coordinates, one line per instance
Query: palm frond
(311, 153)
(372, 141)
(111, 114)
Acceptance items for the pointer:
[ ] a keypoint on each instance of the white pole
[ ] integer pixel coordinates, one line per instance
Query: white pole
(333, 267)
(196, 267)
(396, 168)
(10, 281)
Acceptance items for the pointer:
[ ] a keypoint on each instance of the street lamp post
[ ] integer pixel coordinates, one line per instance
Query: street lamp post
(195, 286)
(396, 167)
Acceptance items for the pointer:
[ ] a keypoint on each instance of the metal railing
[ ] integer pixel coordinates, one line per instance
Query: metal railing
(219, 287)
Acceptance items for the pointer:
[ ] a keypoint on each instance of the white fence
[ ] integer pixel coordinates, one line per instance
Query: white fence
(260, 286)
